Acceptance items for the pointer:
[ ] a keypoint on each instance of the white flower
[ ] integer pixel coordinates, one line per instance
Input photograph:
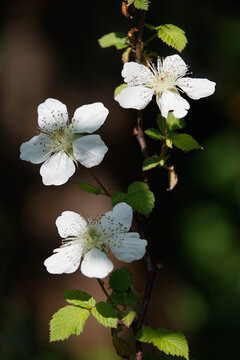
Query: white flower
(88, 242)
(60, 144)
(164, 81)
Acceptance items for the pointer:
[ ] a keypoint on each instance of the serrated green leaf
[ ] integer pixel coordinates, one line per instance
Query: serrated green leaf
(146, 335)
(116, 39)
(151, 162)
(120, 280)
(154, 134)
(119, 88)
(121, 346)
(141, 4)
(105, 314)
(67, 321)
(130, 2)
(130, 299)
(172, 35)
(127, 317)
(117, 299)
(173, 343)
(89, 188)
(79, 298)
(185, 142)
(139, 197)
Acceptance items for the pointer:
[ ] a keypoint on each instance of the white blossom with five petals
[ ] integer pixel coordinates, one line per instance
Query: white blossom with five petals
(60, 144)
(87, 242)
(165, 81)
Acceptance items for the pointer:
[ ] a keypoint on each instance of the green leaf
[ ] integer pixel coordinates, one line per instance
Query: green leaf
(126, 54)
(80, 298)
(121, 346)
(172, 123)
(127, 317)
(119, 88)
(130, 299)
(113, 39)
(185, 142)
(89, 188)
(141, 4)
(172, 35)
(154, 134)
(120, 280)
(105, 314)
(139, 197)
(67, 321)
(151, 162)
(117, 299)
(173, 343)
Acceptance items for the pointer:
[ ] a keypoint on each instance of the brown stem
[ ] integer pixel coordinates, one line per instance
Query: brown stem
(101, 283)
(139, 44)
(164, 144)
(105, 192)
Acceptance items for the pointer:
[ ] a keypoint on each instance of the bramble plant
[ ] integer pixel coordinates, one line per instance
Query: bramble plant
(61, 145)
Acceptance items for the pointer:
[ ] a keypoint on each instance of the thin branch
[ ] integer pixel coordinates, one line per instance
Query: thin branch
(101, 283)
(105, 191)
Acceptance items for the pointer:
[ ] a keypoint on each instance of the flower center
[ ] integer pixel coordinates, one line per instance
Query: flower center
(94, 238)
(162, 82)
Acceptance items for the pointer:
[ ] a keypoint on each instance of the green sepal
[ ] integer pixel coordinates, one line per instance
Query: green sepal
(173, 343)
(184, 142)
(105, 314)
(79, 298)
(67, 321)
(89, 188)
(119, 88)
(120, 280)
(139, 197)
(116, 39)
(172, 36)
(127, 317)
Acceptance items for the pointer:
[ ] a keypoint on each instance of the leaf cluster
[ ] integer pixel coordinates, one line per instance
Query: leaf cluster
(70, 319)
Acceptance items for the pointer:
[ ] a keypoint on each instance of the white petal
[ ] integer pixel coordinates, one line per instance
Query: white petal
(196, 88)
(52, 115)
(89, 118)
(135, 97)
(36, 150)
(70, 224)
(117, 221)
(65, 260)
(96, 264)
(89, 150)
(57, 169)
(175, 66)
(136, 74)
(171, 101)
(128, 247)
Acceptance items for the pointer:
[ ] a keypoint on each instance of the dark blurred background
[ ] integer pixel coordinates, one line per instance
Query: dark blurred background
(50, 49)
